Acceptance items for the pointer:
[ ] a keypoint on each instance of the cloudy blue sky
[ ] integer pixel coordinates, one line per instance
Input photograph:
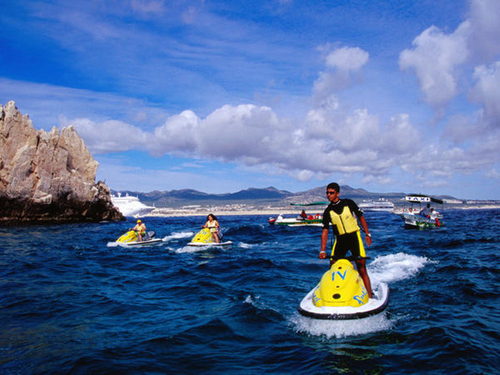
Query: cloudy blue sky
(399, 95)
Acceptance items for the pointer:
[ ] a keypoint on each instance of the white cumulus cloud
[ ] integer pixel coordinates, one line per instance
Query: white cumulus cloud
(347, 58)
(108, 136)
(485, 29)
(487, 92)
(177, 135)
(441, 61)
(342, 66)
(435, 58)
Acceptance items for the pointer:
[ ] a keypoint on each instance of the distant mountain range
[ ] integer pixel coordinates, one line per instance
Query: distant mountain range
(259, 197)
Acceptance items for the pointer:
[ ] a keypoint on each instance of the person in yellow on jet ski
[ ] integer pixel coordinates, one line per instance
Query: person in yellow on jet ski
(140, 229)
(342, 214)
(213, 225)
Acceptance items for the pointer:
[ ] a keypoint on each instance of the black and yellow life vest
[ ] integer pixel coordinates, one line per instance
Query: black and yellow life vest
(345, 221)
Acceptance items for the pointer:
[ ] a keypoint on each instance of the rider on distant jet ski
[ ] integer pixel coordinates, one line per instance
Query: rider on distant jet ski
(342, 214)
(140, 229)
(213, 225)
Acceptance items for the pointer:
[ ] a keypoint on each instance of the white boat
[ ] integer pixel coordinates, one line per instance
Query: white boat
(302, 220)
(381, 204)
(313, 221)
(129, 205)
(418, 217)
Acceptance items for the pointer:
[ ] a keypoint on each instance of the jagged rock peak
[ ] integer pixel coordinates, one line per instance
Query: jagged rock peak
(48, 176)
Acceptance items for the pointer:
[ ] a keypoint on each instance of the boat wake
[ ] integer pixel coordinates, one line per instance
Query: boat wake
(341, 328)
(395, 267)
(191, 249)
(178, 236)
(244, 245)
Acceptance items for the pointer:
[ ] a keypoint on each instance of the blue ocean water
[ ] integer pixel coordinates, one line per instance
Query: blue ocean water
(74, 302)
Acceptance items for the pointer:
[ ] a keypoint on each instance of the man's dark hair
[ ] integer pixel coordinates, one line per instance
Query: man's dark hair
(334, 186)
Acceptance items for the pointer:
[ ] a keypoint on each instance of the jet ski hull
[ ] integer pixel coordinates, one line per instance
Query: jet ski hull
(211, 244)
(142, 243)
(374, 306)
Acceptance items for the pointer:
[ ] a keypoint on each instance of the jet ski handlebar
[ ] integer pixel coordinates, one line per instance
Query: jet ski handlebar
(350, 258)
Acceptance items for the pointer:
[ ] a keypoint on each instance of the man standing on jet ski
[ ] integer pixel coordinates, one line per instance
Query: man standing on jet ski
(342, 214)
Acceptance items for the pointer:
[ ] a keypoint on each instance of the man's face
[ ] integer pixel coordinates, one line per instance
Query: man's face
(332, 195)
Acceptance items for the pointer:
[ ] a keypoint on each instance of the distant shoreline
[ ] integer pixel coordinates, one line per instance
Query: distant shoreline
(269, 212)
(170, 212)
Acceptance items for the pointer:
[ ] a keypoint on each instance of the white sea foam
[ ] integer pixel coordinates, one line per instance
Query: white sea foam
(191, 249)
(178, 236)
(395, 267)
(244, 245)
(341, 328)
(250, 300)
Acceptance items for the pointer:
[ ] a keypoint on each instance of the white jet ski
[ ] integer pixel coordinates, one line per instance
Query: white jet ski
(204, 238)
(130, 239)
(342, 295)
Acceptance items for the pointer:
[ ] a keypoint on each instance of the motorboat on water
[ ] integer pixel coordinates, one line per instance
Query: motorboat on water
(204, 238)
(315, 221)
(302, 220)
(420, 214)
(341, 295)
(381, 204)
(131, 239)
(130, 205)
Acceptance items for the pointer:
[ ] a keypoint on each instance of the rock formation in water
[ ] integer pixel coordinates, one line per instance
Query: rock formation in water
(48, 177)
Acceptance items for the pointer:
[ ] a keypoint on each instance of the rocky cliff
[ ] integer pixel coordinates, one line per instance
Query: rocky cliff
(48, 177)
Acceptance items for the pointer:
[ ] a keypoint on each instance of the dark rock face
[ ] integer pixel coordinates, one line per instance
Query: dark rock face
(48, 177)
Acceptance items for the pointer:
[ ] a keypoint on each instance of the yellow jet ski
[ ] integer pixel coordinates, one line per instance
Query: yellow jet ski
(341, 294)
(130, 239)
(204, 238)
